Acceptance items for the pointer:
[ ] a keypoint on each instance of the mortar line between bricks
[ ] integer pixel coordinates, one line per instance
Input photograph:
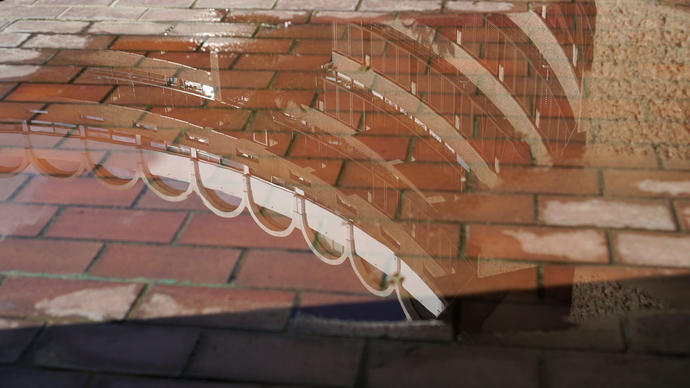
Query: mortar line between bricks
(359, 4)
(90, 380)
(294, 308)
(52, 220)
(138, 198)
(96, 258)
(610, 247)
(363, 365)
(237, 267)
(21, 187)
(138, 301)
(183, 227)
(192, 353)
(25, 356)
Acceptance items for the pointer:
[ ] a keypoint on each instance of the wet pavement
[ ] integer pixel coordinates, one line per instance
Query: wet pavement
(360, 194)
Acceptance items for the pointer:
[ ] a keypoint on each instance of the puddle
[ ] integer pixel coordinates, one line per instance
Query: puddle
(474, 168)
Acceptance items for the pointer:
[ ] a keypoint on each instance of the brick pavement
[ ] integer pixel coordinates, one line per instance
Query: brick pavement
(529, 167)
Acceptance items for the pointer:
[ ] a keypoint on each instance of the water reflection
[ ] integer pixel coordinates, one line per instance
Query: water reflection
(478, 94)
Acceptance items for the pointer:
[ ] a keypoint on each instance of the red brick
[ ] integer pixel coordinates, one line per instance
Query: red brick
(529, 243)
(157, 43)
(653, 249)
(424, 176)
(231, 78)
(59, 298)
(95, 58)
(282, 62)
(242, 231)
(294, 360)
(217, 119)
(151, 95)
(603, 155)
(58, 93)
(111, 224)
(247, 45)
(24, 220)
(197, 265)
(313, 46)
(65, 257)
(82, 191)
(297, 80)
(5, 87)
(248, 98)
(475, 207)
(8, 185)
(302, 271)
(35, 73)
(601, 212)
(546, 180)
(508, 152)
(325, 169)
(192, 59)
(385, 147)
(429, 365)
(151, 200)
(646, 183)
(218, 307)
(17, 111)
(683, 211)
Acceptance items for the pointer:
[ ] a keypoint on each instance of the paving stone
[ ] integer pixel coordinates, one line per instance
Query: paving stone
(201, 15)
(29, 255)
(134, 382)
(58, 93)
(234, 4)
(217, 307)
(19, 377)
(47, 26)
(663, 332)
(103, 13)
(143, 350)
(605, 213)
(529, 243)
(646, 183)
(298, 360)
(114, 224)
(613, 370)
(476, 207)
(263, 268)
(15, 337)
(209, 229)
(24, 220)
(12, 39)
(429, 365)
(60, 298)
(197, 265)
(81, 191)
(348, 5)
(156, 3)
